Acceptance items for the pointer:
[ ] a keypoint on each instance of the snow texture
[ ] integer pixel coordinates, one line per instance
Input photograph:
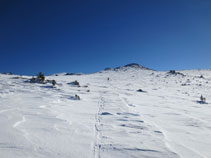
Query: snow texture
(112, 119)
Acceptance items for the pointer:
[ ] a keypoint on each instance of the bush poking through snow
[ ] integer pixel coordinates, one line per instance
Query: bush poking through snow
(67, 74)
(41, 77)
(75, 83)
(77, 97)
(140, 90)
(202, 100)
(33, 80)
(201, 76)
(53, 83)
(173, 72)
(70, 74)
(16, 77)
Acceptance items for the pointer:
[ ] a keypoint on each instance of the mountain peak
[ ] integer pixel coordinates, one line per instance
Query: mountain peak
(132, 65)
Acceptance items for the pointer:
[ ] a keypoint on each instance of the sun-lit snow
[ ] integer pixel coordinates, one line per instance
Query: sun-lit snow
(112, 119)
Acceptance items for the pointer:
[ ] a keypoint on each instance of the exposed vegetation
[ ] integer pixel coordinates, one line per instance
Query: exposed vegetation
(77, 97)
(75, 83)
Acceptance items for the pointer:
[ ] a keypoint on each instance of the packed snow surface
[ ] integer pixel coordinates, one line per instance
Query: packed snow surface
(112, 120)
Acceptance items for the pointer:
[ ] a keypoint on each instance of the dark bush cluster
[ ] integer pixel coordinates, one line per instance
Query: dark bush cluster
(140, 90)
(53, 82)
(39, 79)
(202, 99)
(173, 72)
(75, 83)
(70, 74)
(201, 76)
(77, 97)
(67, 74)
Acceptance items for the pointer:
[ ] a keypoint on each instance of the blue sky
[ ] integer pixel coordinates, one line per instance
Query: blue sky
(86, 36)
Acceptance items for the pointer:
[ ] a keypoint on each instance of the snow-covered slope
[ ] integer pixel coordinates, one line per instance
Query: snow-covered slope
(112, 119)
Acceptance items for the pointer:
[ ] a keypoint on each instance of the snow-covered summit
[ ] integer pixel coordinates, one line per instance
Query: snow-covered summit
(135, 65)
(131, 66)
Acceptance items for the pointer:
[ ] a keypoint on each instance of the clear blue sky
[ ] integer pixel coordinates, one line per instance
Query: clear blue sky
(89, 35)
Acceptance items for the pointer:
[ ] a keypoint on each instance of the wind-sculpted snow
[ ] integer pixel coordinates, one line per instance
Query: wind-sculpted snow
(112, 119)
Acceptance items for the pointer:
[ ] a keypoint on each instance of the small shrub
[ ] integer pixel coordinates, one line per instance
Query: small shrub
(201, 76)
(33, 80)
(17, 77)
(67, 74)
(53, 82)
(40, 77)
(70, 74)
(77, 97)
(184, 84)
(172, 72)
(75, 83)
(140, 90)
(202, 100)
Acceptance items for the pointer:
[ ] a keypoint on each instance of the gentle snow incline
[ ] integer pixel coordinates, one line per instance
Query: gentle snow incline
(111, 120)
